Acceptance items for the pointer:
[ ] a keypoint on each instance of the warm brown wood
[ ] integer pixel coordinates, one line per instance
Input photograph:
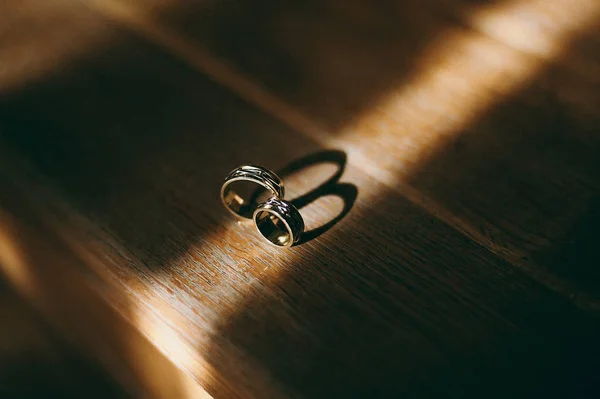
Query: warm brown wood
(474, 163)
(35, 362)
(85, 310)
(410, 90)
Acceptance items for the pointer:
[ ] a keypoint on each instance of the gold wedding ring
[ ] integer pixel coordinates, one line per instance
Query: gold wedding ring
(244, 205)
(276, 219)
(279, 222)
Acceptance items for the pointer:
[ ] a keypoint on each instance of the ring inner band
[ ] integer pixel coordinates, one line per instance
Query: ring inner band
(273, 228)
(242, 195)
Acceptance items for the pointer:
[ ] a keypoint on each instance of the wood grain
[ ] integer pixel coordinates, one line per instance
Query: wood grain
(85, 311)
(461, 148)
(410, 90)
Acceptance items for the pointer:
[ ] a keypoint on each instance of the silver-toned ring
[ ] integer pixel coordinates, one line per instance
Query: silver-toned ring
(279, 222)
(244, 207)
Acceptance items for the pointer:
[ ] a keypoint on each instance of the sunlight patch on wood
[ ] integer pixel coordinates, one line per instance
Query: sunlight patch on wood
(461, 75)
(12, 260)
(57, 35)
(540, 27)
(173, 346)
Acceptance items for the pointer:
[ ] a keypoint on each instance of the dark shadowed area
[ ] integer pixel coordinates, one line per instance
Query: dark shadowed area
(383, 298)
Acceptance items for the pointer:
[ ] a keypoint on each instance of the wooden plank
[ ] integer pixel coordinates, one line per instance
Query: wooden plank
(455, 120)
(38, 40)
(390, 300)
(81, 310)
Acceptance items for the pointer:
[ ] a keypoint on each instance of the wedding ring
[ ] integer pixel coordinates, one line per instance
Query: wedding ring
(279, 222)
(244, 205)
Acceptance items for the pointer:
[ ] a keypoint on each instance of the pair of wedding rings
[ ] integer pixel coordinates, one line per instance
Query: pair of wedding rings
(276, 219)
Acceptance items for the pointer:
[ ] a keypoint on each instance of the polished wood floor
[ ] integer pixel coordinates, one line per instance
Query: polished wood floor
(445, 155)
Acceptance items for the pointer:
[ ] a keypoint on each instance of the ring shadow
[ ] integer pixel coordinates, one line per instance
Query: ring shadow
(337, 157)
(345, 191)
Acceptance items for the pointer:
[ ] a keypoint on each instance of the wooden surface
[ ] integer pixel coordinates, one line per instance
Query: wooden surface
(453, 256)
(35, 362)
